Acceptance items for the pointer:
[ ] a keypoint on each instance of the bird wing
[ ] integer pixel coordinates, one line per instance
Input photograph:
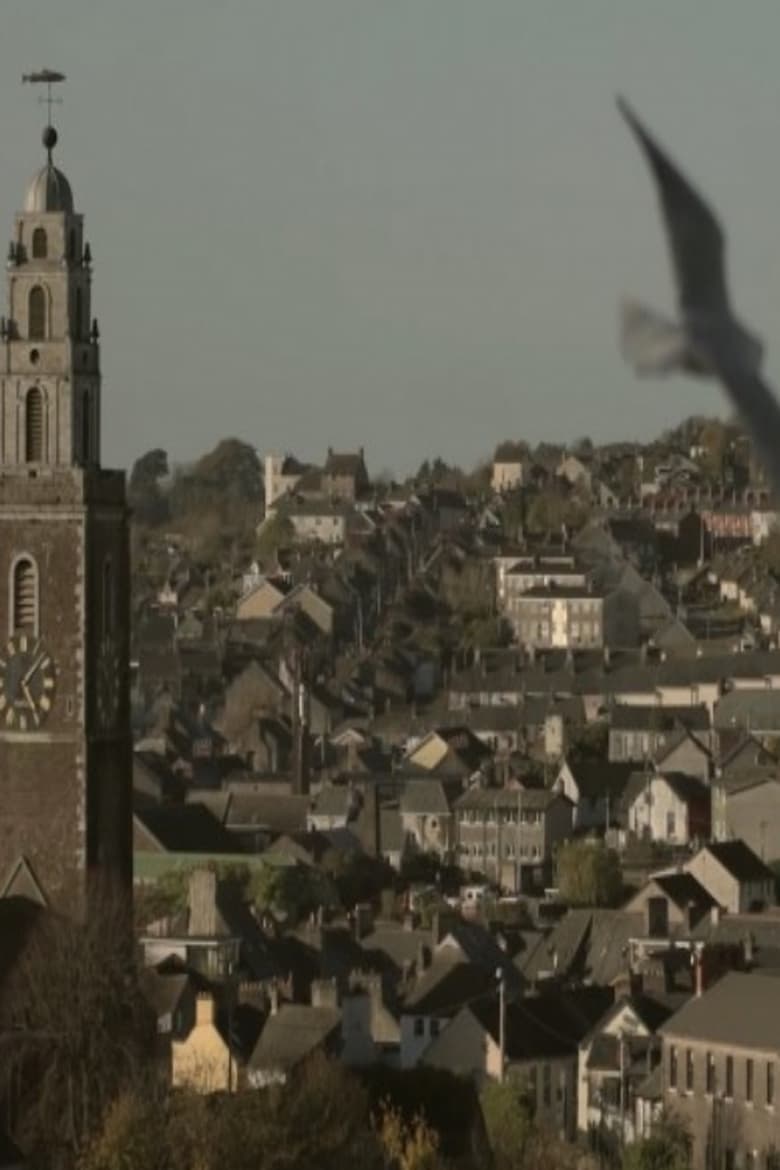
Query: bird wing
(650, 343)
(753, 399)
(695, 237)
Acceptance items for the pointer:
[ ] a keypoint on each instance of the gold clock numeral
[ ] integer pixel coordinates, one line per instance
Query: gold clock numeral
(9, 717)
(44, 702)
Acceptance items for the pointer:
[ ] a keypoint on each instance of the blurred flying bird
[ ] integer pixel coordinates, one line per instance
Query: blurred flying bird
(708, 340)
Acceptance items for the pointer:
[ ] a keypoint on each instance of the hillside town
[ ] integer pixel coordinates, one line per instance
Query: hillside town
(356, 816)
(476, 773)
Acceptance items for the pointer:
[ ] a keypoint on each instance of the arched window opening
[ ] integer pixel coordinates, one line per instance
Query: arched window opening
(37, 313)
(78, 316)
(39, 244)
(86, 429)
(71, 245)
(33, 426)
(108, 598)
(24, 597)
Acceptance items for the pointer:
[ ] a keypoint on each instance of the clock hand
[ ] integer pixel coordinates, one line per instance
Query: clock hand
(30, 702)
(33, 668)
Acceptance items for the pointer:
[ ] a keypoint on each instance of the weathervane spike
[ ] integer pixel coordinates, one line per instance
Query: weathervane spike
(47, 77)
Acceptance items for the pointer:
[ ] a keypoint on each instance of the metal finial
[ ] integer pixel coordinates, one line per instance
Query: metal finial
(47, 77)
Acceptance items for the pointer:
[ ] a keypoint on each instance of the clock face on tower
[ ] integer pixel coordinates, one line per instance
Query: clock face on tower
(27, 681)
(108, 684)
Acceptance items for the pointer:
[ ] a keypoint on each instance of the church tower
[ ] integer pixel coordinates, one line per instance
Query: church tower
(65, 750)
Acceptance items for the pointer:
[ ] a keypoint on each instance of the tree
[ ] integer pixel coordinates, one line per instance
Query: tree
(667, 1148)
(276, 532)
(508, 1114)
(291, 891)
(132, 1136)
(143, 490)
(75, 1031)
(588, 874)
(407, 1145)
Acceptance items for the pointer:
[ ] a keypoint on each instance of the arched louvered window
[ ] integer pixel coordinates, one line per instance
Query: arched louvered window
(40, 247)
(33, 426)
(108, 598)
(24, 596)
(37, 313)
(78, 316)
(86, 428)
(71, 245)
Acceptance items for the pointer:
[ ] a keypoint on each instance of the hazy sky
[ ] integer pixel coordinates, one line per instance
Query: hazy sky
(401, 223)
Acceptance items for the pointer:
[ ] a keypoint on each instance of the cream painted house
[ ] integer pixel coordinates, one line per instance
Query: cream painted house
(203, 1061)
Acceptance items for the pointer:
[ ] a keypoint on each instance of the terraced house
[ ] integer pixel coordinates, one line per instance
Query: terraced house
(721, 1060)
(510, 834)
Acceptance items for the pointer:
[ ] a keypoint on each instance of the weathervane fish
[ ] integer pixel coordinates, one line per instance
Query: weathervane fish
(708, 340)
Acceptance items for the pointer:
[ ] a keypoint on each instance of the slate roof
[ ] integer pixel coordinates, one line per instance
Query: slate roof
(759, 709)
(741, 862)
(278, 812)
(597, 778)
(683, 889)
(740, 1011)
(447, 986)
(589, 944)
(546, 1025)
(628, 717)
(538, 799)
(186, 828)
(333, 801)
(426, 797)
(291, 1033)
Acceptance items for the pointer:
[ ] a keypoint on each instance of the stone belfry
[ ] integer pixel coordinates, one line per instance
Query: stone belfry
(65, 749)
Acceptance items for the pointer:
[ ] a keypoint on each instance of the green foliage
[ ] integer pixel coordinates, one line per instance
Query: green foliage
(356, 876)
(276, 533)
(588, 874)
(407, 1144)
(667, 1148)
(591, 742)
(508, 1114)
(143, 490)
(551, 508)
(291, 891)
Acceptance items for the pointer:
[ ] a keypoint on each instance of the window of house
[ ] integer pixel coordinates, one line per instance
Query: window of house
(672, 1067)
(671, 825)
(689, 1070)
(749, 1080)
(533, 1085)
(710, 1073)
(33, 425)
(546, 1085)
(24, 596)
(770, 1082)
(36, 313)
(39, 245)
(729, 1090)
(434, 1027)
(419, 1026)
